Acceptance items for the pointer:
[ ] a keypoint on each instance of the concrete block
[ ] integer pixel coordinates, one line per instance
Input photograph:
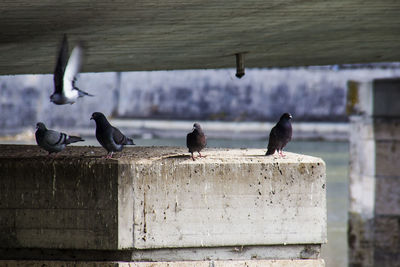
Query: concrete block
(387, 158)
(59, 203)
(387, 197)
(156, 197)
(374, 180)
(387, 129)
(387, 233)
(362, 127)
(360, 237)
(270, 263)
(359, 98)
(230, 198)
(260, 252)
(386, 97)
(249, 263)
(377, 98)
(384, 258)
(362, 195)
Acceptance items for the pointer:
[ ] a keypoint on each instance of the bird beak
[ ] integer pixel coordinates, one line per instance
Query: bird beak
(290, 116)
(91, 118)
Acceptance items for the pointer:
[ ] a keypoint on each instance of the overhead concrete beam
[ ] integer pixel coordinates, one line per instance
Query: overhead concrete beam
(123, 35)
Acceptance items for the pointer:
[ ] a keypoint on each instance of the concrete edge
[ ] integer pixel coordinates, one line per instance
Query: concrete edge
(248, 263)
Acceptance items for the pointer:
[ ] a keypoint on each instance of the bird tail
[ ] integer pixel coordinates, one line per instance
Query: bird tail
(73, 139)
(129, 141)
(269, 152)
(82, 93)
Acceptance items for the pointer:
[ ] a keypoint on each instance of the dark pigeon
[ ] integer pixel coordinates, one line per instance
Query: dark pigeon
(65, 91)
(53, 141)
(108, 136)
(280, 135)
(196, 140)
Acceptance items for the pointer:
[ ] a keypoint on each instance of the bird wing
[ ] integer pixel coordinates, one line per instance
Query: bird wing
(203, 140)
(54, 138)
(72, 69)
(189, 140)
(60, 66)
(273, 141)
(118, 137)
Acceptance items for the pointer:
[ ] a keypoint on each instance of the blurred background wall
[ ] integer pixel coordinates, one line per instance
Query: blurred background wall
(310, 94)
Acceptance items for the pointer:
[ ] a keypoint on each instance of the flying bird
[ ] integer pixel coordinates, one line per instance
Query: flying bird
(108, 136)
(280, 135)
(53, 141)
(196, 140)
(65, 91)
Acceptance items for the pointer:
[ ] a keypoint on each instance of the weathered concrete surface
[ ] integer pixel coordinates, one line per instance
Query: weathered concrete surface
(158, 198)
(374, 232)
(249, 263)
(262, 252)
(192, 34)
(184, 205)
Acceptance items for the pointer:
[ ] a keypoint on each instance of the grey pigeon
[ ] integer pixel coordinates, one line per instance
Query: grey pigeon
(109, 136)
(65, 91)
(280, 135)
(196, 140)
(53, 141)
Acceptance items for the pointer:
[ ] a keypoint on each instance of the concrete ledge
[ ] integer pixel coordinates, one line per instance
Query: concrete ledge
(271, 252)
(250, 263)
(156, 197)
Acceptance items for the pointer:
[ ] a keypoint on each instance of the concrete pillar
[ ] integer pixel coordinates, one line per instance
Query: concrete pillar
(374, 216)
(156, 204)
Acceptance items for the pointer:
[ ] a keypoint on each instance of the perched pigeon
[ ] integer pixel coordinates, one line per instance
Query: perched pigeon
(280, 135)
(108, 136)
(53, 141)
(196, 140)
(65, 74)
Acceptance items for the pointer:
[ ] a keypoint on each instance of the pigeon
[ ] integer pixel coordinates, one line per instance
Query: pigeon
(65, 91)
(196, 140)
(108, 136)
(53, 141)
(280, 135)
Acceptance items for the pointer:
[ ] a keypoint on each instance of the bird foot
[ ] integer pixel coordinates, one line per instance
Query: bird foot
(201, 156)
(108, 156)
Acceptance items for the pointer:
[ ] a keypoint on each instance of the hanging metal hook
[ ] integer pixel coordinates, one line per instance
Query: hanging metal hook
(239, 65)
